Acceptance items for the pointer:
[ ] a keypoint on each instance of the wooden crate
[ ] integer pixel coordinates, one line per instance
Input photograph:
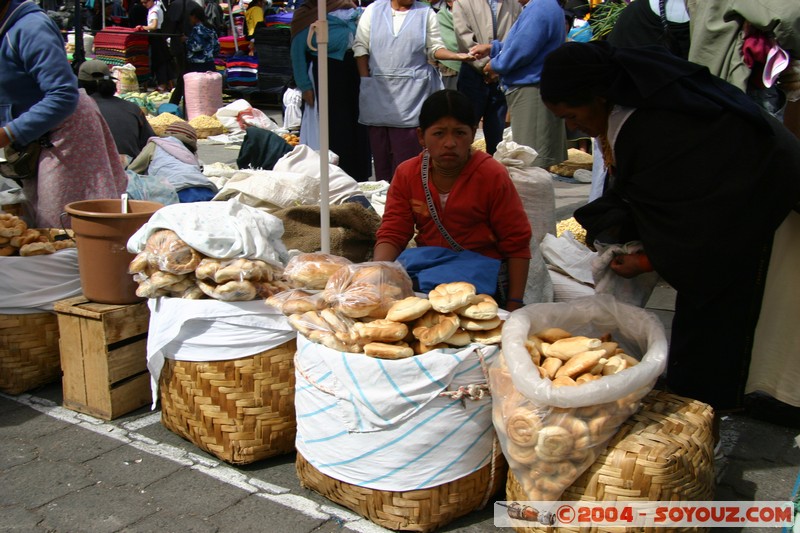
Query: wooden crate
(103, 356)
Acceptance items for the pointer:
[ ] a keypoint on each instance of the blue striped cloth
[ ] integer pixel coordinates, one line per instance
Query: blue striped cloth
(382, 424)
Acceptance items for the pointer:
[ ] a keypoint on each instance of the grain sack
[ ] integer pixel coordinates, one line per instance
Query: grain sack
(127, 82)
(534, 185)
(535, 188)
(202, 93)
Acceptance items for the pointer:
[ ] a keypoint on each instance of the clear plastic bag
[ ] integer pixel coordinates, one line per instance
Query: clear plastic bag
(312, 270)
(367, 289)
(551, 435)
(151, 188)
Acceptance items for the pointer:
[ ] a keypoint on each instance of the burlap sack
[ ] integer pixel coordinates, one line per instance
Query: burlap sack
(352, 230)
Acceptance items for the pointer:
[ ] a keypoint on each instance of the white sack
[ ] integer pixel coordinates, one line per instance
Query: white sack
(382, 424)
(534, 185)
(570, 256)
(270, 190)
(304, 160)
(566, 288)
(634, 291)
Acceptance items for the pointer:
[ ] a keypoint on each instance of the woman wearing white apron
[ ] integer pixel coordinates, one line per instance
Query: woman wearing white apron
(394, 41)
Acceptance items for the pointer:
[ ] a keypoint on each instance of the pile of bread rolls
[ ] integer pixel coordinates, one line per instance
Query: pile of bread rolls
(16, 238)
(549, 447)
(370, 308)
(169, 267)
(570, 360)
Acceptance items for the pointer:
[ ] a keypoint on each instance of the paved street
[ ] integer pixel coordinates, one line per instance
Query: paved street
(61, 471)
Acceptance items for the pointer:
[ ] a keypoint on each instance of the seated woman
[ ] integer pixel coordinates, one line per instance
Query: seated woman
(469, 193)
(127, 123)
(174, 157)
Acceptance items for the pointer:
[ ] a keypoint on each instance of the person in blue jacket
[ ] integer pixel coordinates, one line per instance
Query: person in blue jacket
(38, 89)
(518, 60)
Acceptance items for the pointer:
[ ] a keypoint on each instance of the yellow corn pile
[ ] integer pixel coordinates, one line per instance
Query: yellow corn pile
(573, 227)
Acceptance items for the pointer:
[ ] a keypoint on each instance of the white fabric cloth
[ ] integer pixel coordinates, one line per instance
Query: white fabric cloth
(292, 114)
(381, 424)
(569, 256)
(34, 284)
(210, 330)
(224, 230)
(566, 288)
(304, 160)
(634, 291)
(775, 365)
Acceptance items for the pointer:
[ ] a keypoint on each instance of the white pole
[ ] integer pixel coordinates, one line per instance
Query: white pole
(103, 13)
(233, 27)
(322, 61)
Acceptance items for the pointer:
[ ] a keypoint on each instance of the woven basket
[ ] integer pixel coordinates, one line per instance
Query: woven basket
(240, 410)
(662, 453)
(29, 355)
(413, 510)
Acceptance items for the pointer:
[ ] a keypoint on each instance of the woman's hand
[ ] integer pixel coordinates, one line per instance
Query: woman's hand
(631, 265)
(308, 97)
(479, 51)
(465, 57)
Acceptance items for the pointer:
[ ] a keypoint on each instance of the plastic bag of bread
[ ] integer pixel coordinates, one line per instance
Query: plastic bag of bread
(552, 425)
(367, 289)
(312, 270)
(296, 301)
(166, 251)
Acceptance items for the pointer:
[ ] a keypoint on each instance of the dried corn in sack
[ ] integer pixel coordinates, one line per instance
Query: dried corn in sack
(573, 226)
(551, 434)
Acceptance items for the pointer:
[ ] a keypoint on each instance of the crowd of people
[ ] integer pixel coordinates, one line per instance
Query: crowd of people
(697, 169)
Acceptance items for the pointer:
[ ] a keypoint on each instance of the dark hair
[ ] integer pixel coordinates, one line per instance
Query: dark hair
(198, 13)
(447, 103)
(106, 88)
(574, 73)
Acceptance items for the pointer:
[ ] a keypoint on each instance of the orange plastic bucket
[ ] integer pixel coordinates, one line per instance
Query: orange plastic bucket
(102, 231)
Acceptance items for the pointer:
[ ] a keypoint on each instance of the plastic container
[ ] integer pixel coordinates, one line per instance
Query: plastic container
(102, 231)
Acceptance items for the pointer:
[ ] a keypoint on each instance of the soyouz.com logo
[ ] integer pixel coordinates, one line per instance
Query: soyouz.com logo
(644, 514)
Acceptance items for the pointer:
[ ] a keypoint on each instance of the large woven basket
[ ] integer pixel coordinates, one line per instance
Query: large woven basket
(413, 510)
(662, 453)
(29, 355)
(240, 410)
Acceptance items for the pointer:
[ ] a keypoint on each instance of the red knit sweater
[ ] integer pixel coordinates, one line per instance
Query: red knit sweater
(483, 212)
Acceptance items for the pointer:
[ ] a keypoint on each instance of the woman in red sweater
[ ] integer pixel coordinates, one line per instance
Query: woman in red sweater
(471, 193)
